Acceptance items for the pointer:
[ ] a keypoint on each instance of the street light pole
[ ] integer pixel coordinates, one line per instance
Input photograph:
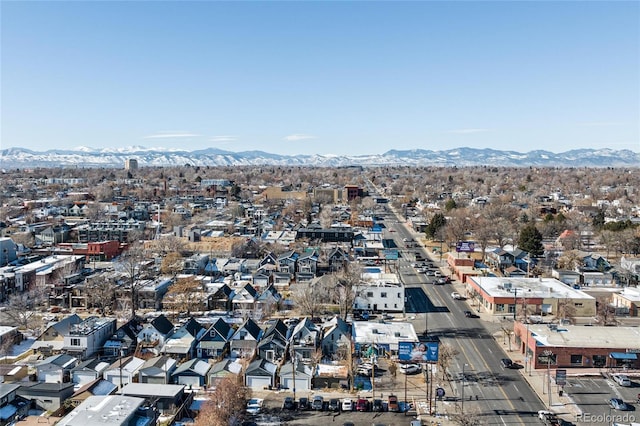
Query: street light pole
(515, 303)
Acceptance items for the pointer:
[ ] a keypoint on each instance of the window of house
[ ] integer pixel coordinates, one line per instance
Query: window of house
(395, 305)
(243, 335)
(577, 304)
(576, 359)
(385, 305)
(75, 342)
(383, 294)
(369, 294)
(499, 307)
(512, 309)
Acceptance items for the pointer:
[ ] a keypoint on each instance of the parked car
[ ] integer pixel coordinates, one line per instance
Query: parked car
(622, 379)
(288, 403)
(618, 404)
(303, 404)
(362, 405)
(254, 405)
(318, 403)
(334, 404)
(456, 295)
(347, 405)
(410, 368)
(470, 314)
(377, 405)
(393, 405)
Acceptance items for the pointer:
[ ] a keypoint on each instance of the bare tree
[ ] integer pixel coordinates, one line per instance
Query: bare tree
(308, 298)
(185, 295)
(131, 264)
(100, 294)
(20, 307)
(171, 264)
(605, 312)
(566, 310)
(226, 405)
(467, 419)
(344, 288)
(446, 353)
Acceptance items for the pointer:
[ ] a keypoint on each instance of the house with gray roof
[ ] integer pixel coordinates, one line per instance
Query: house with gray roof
(157, 370)
(192, 373)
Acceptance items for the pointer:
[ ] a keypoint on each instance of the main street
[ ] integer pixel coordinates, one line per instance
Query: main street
(503, 396)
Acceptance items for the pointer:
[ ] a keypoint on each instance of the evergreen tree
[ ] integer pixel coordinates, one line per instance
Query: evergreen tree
(530, 240)
(437, 222)
(450, 204)
(598, 220)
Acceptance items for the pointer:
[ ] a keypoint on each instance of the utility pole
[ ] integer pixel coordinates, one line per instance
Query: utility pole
(462, 392)
(515, 303)
(294, 365)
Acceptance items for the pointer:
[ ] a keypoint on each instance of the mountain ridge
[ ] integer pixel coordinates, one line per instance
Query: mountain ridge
(461, 157)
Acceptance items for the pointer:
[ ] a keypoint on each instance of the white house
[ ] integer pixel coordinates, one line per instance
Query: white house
(380, 296)
(88, 337)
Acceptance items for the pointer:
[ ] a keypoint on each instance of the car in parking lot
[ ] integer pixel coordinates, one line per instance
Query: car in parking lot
(334, 404)
(362, 405)
(377, 405)
(318, 403)
(288, 403)
(622, 379)
(347, 405)
(410, 368)
(618, 404)
(303, 403)
(393, 405)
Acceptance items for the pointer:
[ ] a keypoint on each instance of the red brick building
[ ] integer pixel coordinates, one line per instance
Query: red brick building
(572, 346)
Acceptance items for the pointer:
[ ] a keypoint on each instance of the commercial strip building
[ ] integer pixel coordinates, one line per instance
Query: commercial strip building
(383, 336)
(503, 296)
(567, 346)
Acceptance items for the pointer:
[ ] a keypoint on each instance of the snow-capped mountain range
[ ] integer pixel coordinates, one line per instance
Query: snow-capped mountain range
(160, 157)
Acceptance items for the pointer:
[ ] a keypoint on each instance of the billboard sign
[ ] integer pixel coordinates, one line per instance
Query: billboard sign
(391, 254)
(418, 352)
(561, 377)
(465, 246)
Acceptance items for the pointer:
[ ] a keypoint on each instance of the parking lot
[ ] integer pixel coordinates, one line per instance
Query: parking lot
(592, 393)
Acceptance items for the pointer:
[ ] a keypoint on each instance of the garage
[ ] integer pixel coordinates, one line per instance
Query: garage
(189, 381)
(302, 375)
(301, 384)
(258, 382)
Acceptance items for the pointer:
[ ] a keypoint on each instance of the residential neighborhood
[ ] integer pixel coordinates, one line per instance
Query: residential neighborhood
(164, 286)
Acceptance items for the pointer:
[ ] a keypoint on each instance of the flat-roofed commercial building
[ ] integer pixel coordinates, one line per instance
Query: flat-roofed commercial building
(501, 296)
(566, 346)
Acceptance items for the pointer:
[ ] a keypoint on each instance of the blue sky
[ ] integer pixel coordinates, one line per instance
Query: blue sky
(321, 77)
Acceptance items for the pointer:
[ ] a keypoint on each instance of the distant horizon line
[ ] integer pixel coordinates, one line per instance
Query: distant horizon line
(139, 148)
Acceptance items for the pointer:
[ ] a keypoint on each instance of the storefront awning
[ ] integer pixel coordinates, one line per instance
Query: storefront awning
(623, 355)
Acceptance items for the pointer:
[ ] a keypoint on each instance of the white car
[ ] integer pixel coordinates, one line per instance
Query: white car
(622, 379)
(254, 406)
(410, 368)
(347, 405)
(456, 295)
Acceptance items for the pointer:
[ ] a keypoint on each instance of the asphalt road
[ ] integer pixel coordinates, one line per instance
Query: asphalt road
(504, 397)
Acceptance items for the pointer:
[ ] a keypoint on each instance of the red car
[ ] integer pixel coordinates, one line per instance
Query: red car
(362, 405)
